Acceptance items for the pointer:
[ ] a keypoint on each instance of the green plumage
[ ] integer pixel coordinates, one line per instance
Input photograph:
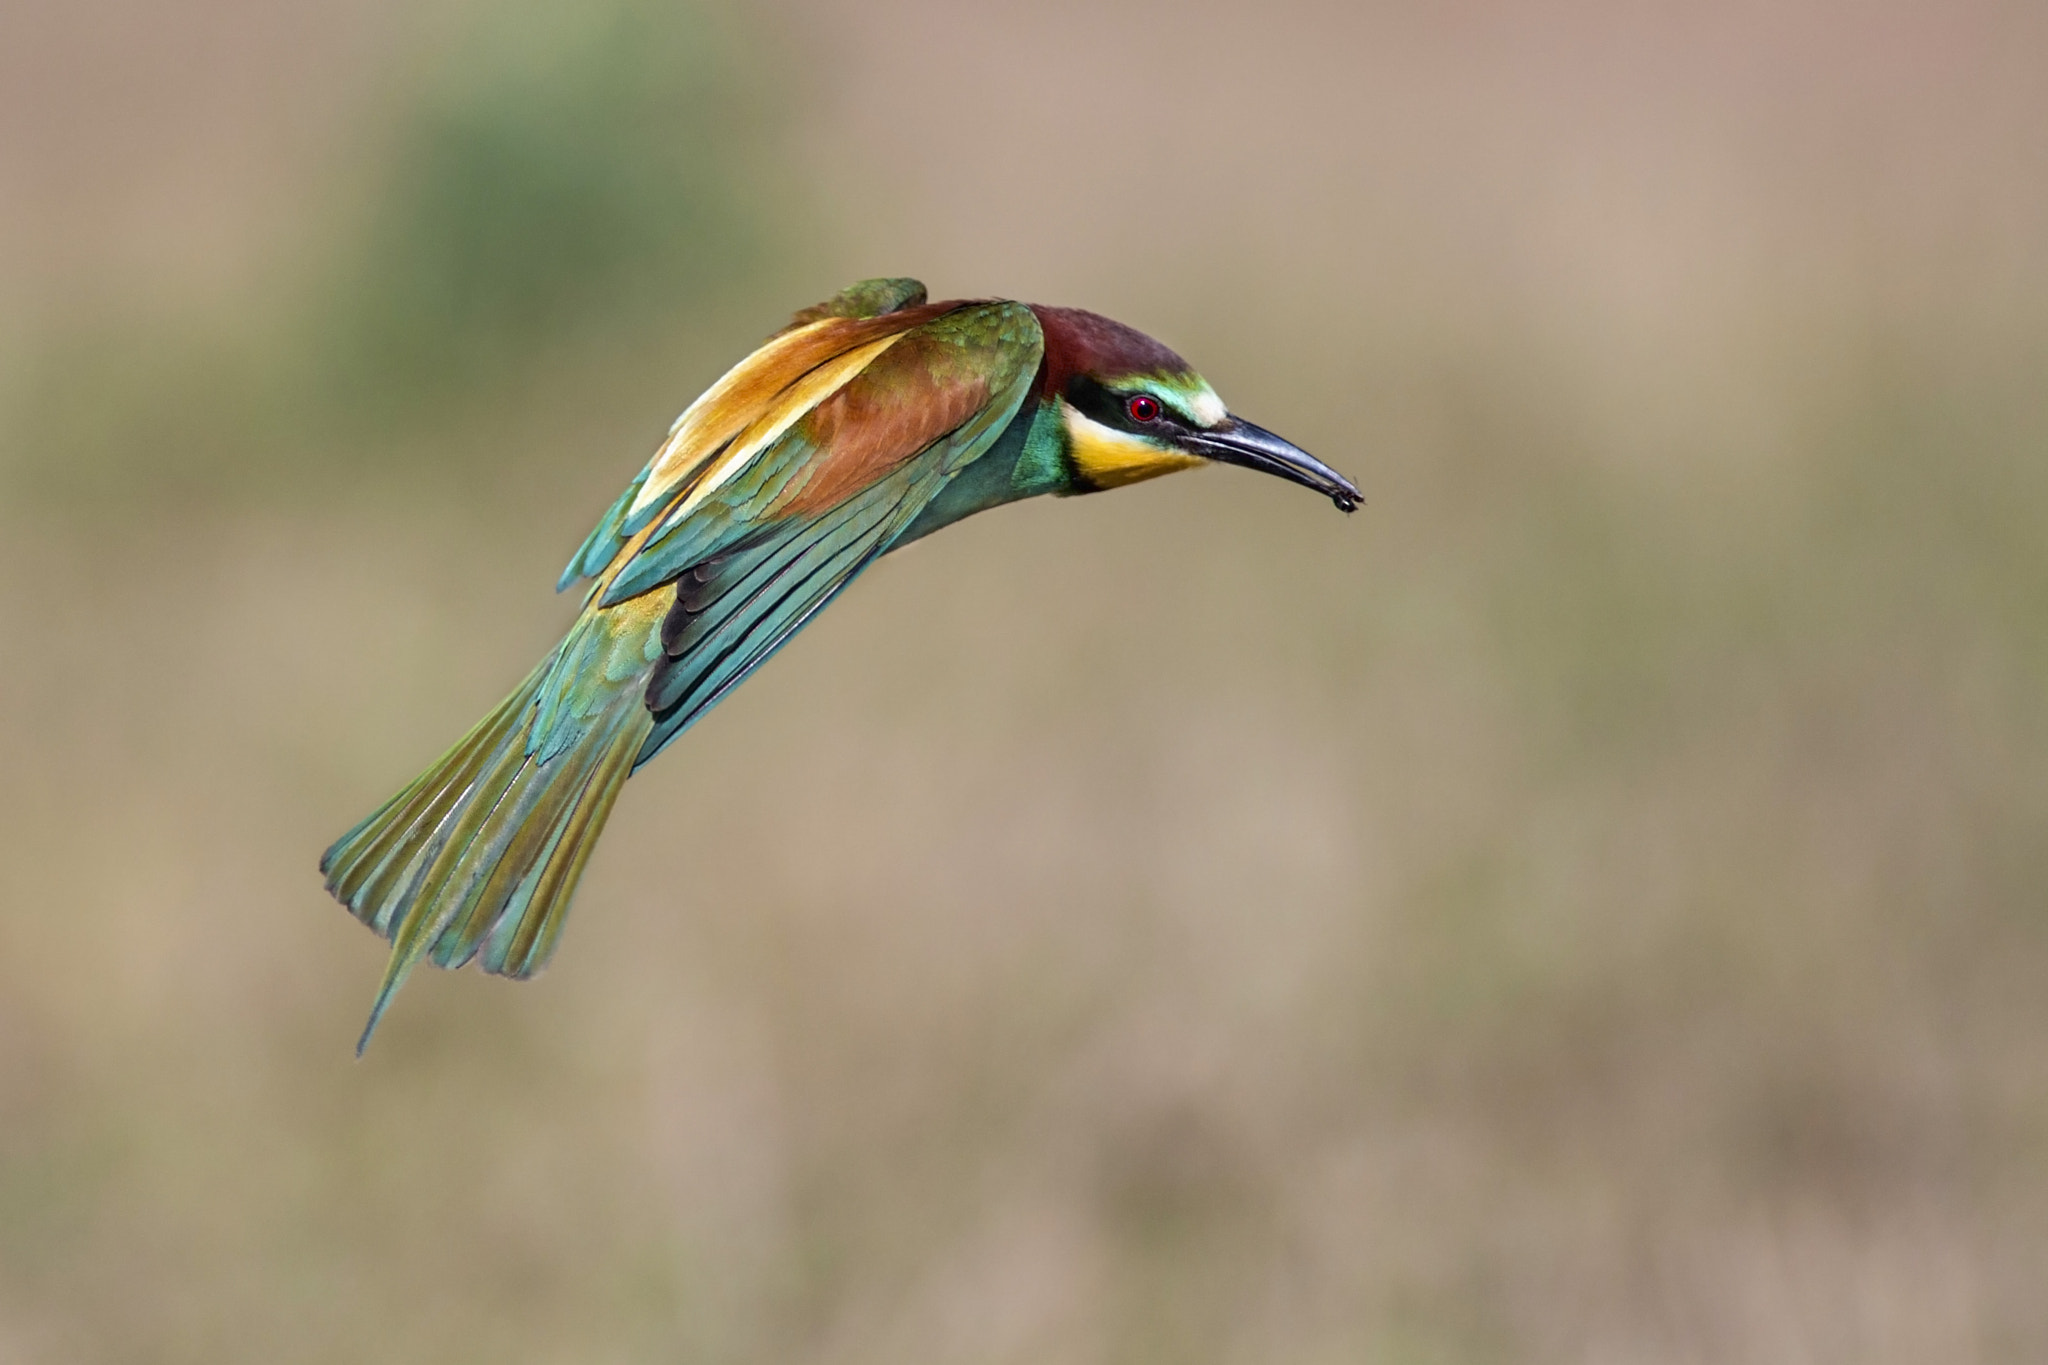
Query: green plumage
(872, 420)
(482, 852)
(479, 857)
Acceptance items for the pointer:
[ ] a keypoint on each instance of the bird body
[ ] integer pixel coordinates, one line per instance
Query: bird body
(873, 419)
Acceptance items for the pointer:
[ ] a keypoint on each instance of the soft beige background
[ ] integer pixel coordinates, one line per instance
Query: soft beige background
(1589, 906)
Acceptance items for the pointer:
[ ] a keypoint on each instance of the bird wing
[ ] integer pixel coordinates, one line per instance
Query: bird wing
(794, 473)
(736, 418)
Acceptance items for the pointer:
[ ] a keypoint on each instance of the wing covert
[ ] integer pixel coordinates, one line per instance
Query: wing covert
(740, 415)
(762, 554)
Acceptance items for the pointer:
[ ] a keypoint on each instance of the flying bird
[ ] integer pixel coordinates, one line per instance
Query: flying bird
(873, 419)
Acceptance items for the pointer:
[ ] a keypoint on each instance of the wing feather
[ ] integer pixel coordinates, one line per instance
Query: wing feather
(749, 407)
(782, 483)
(822, 504)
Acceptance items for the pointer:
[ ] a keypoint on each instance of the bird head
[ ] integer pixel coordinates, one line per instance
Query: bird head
(1131, 409)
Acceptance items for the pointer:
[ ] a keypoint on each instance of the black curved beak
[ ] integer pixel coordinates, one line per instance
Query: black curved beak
(1243, 443)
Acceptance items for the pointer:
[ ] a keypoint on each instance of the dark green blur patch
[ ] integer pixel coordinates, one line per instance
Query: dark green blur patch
(577, 165)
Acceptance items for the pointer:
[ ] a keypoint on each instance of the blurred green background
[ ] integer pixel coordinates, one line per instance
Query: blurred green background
(1587, 907)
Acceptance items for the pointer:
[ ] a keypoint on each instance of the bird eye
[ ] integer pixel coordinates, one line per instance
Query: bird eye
(1142, 407)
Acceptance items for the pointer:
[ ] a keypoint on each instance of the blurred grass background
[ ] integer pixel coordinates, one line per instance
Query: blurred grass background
(1587, 907)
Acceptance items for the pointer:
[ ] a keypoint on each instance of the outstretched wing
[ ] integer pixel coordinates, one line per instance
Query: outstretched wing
(808, 488)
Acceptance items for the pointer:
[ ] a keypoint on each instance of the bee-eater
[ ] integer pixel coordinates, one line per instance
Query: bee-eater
(873, 419)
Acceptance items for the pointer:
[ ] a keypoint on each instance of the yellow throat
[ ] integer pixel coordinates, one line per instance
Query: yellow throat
(1108, 458)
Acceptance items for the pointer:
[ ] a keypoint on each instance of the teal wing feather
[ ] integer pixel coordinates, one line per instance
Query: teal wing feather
(864, 300)
(756, 562)
(605, 540)
(734, 611)
(737, 513)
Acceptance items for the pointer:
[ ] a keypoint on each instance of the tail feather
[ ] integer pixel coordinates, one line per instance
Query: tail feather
(497, 867)
(524, 838)
(481, 854)
(368, 864)
(523, 937)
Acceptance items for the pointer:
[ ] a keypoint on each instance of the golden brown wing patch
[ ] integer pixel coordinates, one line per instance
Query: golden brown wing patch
(888, 414)
(759, 398)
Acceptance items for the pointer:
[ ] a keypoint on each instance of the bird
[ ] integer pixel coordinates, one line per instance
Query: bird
(870, 421)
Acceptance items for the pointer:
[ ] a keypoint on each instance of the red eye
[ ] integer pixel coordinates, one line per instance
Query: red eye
(1143, 407)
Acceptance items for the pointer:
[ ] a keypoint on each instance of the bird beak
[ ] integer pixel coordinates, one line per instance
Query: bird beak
(1240, 442)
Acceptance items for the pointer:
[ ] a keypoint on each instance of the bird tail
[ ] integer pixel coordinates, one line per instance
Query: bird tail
(480, 855)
